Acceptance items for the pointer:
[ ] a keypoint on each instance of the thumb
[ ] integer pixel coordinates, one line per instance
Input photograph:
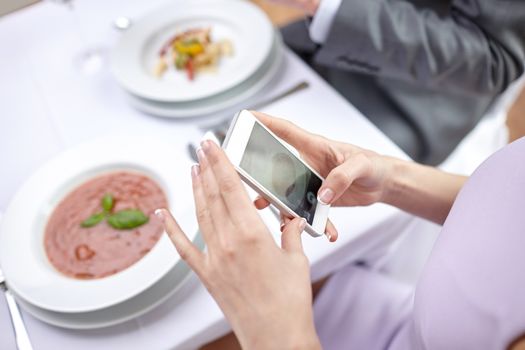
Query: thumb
(260, 203)
(291, 236)
(340, 179)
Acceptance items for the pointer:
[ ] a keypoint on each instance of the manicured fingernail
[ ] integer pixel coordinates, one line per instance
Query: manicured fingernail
(200, 155)
(329, 236)
(195, 170)
(325, 196)
(302, 224)
(205, 144)
(159, 214)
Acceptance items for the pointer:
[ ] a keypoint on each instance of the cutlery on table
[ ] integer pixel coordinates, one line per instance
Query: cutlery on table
(22, 338)
(217, 132)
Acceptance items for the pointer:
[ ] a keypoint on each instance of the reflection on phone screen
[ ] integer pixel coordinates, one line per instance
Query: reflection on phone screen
(281, 172)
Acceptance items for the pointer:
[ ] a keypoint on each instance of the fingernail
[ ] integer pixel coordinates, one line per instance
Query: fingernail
(205, 144)
(195, 170)
(329, 236)
(282, 225)
(302, 224)
(159, 214)
(200, 154)
(325, 196)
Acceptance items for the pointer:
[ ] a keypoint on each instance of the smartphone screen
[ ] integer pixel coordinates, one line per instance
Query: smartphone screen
(277, 169)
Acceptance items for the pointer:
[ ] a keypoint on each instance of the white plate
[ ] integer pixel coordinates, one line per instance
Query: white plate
(22, 257)
(242, 92)
(173, 282)
(135, 55)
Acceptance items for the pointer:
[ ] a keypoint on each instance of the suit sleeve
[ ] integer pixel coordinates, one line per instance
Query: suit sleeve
(477, 47)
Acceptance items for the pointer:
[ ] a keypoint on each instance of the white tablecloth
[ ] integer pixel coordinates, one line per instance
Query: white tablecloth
(47, 106)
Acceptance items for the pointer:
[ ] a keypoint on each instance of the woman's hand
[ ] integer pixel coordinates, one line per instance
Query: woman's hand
(353, 176)
(263, 290)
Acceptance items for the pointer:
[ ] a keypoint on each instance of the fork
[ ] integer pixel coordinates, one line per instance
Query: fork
(22, 338)
(217, 131)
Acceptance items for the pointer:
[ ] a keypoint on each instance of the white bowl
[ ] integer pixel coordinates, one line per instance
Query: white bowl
(176, 285)
(23, 259)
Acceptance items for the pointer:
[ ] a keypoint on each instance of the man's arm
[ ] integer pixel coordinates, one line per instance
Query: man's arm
(479, 46)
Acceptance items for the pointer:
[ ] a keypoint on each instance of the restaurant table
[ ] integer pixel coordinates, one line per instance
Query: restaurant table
(47, 106)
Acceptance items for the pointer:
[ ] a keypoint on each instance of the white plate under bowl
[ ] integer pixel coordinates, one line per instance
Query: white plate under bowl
(22, 256)
(170, 284)
(242, 92)
(134, 56)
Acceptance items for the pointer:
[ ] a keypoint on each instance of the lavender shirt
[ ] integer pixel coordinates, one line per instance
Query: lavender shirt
(472, 291)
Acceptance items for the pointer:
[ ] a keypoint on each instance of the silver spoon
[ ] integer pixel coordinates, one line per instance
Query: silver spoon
(22, 338)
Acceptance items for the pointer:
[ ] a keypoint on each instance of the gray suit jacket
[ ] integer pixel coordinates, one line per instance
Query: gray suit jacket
(424, 71)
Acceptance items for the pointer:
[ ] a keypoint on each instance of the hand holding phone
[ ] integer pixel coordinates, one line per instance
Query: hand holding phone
(273, 170)
(235, 273)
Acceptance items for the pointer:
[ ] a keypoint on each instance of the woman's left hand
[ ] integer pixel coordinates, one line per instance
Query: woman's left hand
(263, 290)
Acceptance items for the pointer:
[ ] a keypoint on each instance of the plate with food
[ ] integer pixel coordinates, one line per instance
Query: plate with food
(191, 52)
(222, 101)
(81, 235)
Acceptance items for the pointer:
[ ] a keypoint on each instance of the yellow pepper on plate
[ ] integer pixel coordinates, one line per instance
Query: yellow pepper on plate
(191, 48)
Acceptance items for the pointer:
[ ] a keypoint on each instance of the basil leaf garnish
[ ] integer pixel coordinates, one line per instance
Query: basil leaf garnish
(127, 219)
(107, 203)
(93, 220)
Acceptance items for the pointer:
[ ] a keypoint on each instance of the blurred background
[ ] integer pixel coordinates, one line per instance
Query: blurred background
(279, 14)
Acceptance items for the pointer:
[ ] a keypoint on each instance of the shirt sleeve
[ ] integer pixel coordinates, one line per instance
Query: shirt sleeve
(323, 19)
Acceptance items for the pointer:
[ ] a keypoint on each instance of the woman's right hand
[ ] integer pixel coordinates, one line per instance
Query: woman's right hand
(353, 176)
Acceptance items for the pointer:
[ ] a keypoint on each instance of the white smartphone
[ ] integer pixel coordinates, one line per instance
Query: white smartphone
(272, 169)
